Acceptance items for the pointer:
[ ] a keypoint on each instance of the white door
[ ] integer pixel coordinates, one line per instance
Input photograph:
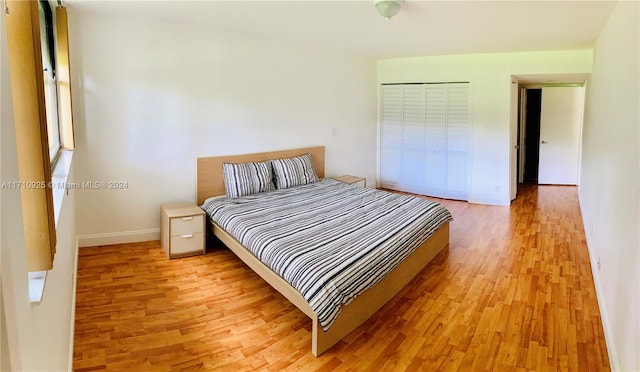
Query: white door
(413, 139)
(391, 136)
(435, 140)
(424, 139)
(457, 141)
(560, 127)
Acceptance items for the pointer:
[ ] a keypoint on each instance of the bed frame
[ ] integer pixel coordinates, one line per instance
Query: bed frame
(210, 182)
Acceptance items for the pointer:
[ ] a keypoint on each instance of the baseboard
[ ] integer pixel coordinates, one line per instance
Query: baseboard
(124, 237)
(72, 326)
(614, 361)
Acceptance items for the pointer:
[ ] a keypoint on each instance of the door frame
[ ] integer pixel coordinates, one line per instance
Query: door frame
(535, 80)
(522, 130)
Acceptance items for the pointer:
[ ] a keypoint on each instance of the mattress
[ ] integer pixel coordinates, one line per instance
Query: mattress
(329, 240)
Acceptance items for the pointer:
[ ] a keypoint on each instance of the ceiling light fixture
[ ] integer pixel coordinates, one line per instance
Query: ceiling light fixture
(387, 8)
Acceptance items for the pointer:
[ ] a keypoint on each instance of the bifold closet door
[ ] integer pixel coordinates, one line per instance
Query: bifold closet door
(436, 140)
(424, 139)
(458, 139)
(391, 136)
(402, 138)
(413, 139)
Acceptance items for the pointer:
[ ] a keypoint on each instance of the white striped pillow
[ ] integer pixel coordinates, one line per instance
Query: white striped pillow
(294, 171)
(247, 178)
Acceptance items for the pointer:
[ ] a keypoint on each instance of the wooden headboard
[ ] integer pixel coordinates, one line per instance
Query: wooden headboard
(210, 179)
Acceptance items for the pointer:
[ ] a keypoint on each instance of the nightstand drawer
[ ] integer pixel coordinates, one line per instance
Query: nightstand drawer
(187, 243)
(182, 229)
(186, 225)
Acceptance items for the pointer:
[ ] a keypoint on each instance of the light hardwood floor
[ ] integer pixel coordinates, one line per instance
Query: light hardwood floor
(513, 291)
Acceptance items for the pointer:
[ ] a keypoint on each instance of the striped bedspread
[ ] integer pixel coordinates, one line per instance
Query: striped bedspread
(329, 240)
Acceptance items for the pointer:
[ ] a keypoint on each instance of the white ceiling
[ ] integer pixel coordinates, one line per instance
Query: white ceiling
(421, 28)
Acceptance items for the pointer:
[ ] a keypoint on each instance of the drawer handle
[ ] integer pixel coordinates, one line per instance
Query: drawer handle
(187, 218)
(187, 236)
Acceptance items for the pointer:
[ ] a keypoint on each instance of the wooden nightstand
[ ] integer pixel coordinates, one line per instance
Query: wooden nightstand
(182, 229)
(351, 179)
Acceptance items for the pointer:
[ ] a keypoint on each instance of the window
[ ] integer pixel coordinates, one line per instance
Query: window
(47, 44)
(40, 89)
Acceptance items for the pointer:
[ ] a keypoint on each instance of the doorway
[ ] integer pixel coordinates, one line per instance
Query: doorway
(549, 130)
(530, 128)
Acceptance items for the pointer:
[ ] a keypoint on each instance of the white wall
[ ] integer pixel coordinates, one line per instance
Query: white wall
(610, 185)
(151, 95)
(490, 78)
(37, 335)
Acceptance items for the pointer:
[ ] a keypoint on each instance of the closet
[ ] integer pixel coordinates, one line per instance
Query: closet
(424, 139)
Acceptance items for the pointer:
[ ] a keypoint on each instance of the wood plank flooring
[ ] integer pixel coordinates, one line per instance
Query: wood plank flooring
(513, 291)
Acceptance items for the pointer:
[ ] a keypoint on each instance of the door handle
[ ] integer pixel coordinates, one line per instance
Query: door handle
(543, 142)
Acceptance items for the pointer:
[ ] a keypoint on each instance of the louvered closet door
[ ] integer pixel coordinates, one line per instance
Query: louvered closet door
(435, 140)
(391, 137)
(457, 141)
(413, 130)
(424, 139)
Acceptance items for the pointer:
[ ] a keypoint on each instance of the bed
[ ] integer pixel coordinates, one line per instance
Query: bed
(329, 324)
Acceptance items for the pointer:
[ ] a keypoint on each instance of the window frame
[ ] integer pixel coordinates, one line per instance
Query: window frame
(48, 46)
(40, 207)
